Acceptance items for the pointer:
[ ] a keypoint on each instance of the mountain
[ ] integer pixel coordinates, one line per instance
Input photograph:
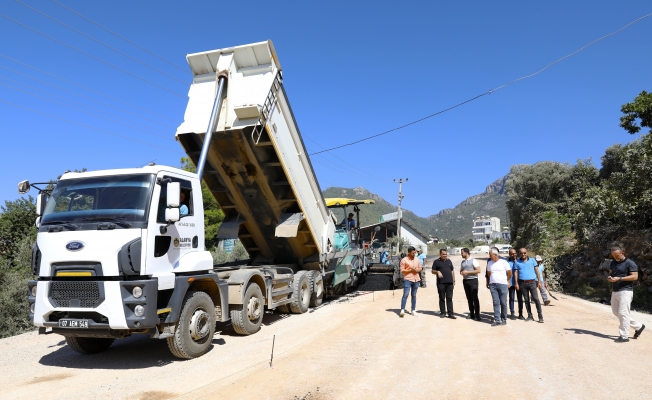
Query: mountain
(448, 223)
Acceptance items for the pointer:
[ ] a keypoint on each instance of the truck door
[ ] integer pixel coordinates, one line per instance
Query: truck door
(165, 249)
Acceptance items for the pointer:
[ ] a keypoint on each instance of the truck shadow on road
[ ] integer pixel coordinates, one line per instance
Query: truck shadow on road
(140, 351)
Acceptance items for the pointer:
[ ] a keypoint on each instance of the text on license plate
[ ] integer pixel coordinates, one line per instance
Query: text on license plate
(73, 323)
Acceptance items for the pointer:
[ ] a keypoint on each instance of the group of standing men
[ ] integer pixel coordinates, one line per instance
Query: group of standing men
(518, 277)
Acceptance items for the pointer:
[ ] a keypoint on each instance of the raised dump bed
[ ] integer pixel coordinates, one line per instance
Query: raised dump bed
(257, 167)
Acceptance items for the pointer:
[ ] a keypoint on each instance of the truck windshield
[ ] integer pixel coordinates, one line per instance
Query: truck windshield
(122, 197)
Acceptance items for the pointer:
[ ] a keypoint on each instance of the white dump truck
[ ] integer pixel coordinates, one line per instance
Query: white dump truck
(121, 252)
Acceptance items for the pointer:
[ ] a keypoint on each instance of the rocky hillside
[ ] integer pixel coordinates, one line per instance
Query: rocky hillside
(448, 223)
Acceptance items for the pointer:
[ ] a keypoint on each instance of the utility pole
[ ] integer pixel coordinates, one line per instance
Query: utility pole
(400, 198)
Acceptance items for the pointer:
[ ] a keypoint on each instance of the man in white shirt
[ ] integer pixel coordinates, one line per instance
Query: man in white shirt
(500, 275)
(469, 270)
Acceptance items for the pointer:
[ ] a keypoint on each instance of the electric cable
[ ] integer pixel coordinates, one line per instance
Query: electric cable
(485, 93)
(85, 126)
(81, 86)
(76, 94)
(61, 97)
(93, 57)
(121, 37)
(84, 111)
(102, 43)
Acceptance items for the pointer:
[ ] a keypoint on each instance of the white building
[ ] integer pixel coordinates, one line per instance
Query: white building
(388, 228)
(486, 228)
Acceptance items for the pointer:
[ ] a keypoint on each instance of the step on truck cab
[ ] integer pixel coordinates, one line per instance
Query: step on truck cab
(120, 252)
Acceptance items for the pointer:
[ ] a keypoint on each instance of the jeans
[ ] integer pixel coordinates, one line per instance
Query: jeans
(499, 296)
(519, 296)
(407, 286)
(471, 291)
(445, 291)
(620, 305)
(530, 289)
(544, 292)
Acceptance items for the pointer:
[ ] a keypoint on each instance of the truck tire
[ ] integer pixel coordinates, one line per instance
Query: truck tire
(246, 318)
(285, 309)
(301, 294)
(317, 288)
(88, 345)
(194, 331)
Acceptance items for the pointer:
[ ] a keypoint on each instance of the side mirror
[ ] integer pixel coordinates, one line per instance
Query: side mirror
(174, 195)
(23, 187)
(41, 201)
(172, 214)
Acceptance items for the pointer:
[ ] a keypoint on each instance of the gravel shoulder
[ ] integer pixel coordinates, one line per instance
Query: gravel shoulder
(356, 347)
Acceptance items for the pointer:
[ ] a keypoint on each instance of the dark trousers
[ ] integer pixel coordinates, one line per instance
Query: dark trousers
(445, 297)
(471, 291)
(519, 296)
(529, 290)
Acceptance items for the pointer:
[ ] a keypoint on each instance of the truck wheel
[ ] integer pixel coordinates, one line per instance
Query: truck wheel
(317, 286)
(246, 318)
(301, 293)
(88, 345)
(194, 330)
(285, 309)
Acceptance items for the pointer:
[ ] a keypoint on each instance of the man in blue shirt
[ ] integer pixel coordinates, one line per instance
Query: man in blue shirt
(183, 209)
(422, 260)
(512, 289)
(527, 282)
(350, 221)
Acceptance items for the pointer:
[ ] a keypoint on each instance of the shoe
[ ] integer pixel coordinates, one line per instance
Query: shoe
(442, 315)
(545, 303)
(540, 320)
(521, 317)
(452, 316)
(414, 313)
(638, 332)
(504, 322)
(529, 318)
(621, 340)
(470, 316)
(512, 317)
(402, 314)
(495, 324)
(479, 319)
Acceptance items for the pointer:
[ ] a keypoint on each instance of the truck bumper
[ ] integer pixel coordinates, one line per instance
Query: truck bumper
(106, 305)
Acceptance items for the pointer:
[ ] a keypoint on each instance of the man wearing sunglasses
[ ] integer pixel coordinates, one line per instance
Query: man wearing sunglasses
(527, 281)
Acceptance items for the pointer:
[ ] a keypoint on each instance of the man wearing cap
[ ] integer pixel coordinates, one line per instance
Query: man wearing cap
(527, 281)
(422, 260)
(544, 286)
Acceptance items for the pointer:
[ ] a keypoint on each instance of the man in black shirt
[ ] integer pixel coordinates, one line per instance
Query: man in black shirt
(622, 273)
(443, 268)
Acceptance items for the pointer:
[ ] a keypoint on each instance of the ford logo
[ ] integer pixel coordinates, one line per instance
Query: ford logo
(75, 246)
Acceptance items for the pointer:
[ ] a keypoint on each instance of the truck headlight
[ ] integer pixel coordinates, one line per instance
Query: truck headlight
(31, 308)
(137, 292)
(139, 311)
(34, 290)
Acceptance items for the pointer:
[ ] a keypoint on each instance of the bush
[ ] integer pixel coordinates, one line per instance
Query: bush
(220, 256)
(14, 274)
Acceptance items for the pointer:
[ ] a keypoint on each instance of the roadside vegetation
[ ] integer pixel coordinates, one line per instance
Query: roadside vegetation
(572, 213)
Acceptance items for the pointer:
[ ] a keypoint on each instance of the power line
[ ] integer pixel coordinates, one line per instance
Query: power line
(93, 57)
(121, 37)
(487, 92)
(102, 43)
(84, 125)
(81, 86)
(74, 93)
(346, 162)
(84, 111)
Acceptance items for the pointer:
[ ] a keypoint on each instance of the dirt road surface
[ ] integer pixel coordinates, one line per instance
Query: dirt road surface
(356, 348)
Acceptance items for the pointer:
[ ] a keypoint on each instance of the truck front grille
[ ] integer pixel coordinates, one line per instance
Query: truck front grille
(75, 294)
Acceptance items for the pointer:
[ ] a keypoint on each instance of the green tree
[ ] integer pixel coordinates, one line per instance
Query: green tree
(637, 114)
(14, 274)
(213, 215)
(16, 223)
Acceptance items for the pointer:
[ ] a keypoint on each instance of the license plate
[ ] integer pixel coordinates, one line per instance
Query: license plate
(73, 323)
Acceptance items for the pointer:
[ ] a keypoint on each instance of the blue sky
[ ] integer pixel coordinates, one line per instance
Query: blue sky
(351, 69)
